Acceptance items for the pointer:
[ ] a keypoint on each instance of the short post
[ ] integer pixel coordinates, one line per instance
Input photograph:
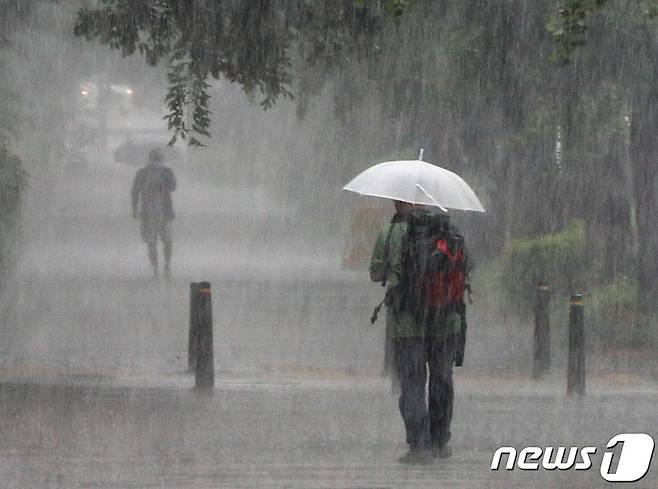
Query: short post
(542, 347)
(576, 368)
(194, 327)
(201, 342)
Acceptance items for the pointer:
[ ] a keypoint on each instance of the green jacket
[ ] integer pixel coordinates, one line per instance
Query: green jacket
(403, 323)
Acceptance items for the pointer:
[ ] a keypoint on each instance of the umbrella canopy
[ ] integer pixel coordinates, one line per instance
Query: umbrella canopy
(416, 182)
(136, 154)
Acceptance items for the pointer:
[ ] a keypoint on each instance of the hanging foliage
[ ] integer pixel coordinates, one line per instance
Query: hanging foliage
(248, 43)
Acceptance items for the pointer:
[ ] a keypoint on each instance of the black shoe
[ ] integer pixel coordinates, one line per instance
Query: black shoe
(416, 457)
(442, 452)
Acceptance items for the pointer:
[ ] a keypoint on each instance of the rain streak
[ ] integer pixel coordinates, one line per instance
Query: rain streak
(313, 245)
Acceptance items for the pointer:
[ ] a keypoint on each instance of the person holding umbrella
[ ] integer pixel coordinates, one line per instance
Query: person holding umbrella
(424, 328)
(152, 204)
(406, 335)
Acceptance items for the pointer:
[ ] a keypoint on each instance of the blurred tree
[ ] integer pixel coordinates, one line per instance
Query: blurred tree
(619, 41)
(248, 43)
(12, 184)
(12, 175)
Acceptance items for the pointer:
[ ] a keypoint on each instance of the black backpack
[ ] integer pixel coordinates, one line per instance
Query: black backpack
(418, 259)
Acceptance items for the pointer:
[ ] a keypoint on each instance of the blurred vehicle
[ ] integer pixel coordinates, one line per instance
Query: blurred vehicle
(116, 123)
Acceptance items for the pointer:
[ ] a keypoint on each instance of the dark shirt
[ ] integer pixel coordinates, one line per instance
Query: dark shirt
(152, 192)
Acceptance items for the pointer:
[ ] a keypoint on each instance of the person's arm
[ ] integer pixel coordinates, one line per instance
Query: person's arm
(378, 264)
(136, 190)
(469, 262)
(171, 180)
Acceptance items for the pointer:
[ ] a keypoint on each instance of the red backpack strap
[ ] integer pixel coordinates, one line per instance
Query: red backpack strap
(442, 246)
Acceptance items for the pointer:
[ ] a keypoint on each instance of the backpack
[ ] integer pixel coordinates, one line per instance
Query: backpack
(419, 264)
(432, 266)
(433, 274)
(445, 285)
(416, 247)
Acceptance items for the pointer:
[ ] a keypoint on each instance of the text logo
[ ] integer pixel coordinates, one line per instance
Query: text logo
(632, 462)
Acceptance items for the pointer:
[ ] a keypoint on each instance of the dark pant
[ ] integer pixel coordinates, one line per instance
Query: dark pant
(441, 354)
(427, 421)
(410, 356)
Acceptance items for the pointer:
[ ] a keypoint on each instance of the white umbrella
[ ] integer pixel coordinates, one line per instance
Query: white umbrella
(416, 182)
(136, 154)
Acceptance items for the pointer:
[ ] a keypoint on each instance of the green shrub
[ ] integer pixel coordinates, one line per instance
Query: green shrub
(611, 314)
(486, 280)
(556, 259)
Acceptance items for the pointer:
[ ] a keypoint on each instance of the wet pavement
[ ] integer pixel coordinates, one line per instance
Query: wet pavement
(290, 432)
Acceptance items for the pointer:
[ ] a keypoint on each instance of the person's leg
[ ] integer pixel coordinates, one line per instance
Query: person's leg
(441, 393)
(148, 229)
(165, 234)
(401, 360)
(390, 369)
(153, 257)
(167, 257)
(410, 363)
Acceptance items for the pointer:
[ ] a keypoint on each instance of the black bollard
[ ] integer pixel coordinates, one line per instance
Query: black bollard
(576, 368)
(542, 348)
(194, 327)
(201, 343)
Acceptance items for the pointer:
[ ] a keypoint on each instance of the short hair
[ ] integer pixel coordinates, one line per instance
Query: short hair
(156, 154)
